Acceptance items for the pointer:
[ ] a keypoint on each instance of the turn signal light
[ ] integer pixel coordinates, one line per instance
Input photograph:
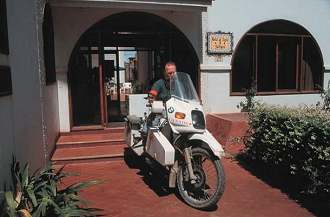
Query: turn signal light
(180, 115)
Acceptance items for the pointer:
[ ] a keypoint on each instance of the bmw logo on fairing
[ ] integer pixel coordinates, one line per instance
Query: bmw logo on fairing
(170, 110)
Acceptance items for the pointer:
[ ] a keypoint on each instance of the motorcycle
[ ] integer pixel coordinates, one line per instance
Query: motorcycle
(173, 134)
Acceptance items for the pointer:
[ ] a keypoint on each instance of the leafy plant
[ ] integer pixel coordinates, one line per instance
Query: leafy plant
(249, 103)
(38, 195)
(325, 96)
(294, 141)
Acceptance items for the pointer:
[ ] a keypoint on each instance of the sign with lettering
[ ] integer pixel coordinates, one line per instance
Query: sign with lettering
(219, 43)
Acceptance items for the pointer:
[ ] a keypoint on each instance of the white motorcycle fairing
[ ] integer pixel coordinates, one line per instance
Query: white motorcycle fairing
(184, 125)
(210, 141)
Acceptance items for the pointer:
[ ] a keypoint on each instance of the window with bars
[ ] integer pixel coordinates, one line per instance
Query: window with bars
(278, 57)
(4, 47)
(5, 81)
(49, 50)
(5, 74)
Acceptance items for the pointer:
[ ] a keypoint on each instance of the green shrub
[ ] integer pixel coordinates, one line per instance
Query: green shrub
(249, 103)
(325, 96)
(296, 141)
(38, 195)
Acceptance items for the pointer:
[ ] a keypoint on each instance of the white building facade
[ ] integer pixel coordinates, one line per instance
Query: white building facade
(283, 46)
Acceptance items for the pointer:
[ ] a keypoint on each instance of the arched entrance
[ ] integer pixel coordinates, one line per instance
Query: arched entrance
(120, 55)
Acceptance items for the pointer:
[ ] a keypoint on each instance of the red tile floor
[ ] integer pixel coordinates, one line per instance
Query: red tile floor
(130, 191)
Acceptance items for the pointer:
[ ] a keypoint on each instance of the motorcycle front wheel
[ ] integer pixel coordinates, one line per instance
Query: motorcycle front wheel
(210, 183)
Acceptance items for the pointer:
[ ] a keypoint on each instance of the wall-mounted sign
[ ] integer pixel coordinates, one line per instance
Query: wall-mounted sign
(219, 43)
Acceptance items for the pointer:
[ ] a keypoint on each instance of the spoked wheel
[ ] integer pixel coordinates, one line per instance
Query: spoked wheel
(210, 183)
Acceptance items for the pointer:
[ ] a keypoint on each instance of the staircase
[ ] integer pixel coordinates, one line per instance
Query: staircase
(90, 146)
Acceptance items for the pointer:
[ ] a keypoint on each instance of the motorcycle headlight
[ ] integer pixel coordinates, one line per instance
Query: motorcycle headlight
(198, 119)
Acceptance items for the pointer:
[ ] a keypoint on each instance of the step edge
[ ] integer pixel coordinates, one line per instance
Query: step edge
(90, 145)
(87, 157)
(89, 142)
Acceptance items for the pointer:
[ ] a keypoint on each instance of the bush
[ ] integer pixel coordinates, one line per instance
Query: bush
(294, 141)
(250, 102)
(38, 195)
(325, 96)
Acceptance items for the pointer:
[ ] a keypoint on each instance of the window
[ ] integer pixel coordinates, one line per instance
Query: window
(278, 57)
(49, 50)
(4, 47)
(5, 81)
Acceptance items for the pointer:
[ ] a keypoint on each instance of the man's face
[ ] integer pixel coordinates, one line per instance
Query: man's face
(169, 71)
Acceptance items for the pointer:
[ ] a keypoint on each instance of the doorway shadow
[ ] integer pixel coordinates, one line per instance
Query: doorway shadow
(287, 184)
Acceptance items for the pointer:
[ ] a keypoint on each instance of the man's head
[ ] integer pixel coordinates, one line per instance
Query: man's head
(170, 69)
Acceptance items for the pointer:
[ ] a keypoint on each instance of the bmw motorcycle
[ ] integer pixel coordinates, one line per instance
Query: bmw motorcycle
(173, 134)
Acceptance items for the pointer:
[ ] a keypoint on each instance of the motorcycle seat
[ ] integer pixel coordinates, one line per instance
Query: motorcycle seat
(133, 119)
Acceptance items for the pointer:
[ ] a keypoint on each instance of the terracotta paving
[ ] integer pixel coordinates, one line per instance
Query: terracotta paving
(130, 191)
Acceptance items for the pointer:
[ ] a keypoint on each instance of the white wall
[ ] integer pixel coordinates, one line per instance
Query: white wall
(226, 15)
(71, 22)
(6, 130)
(4, 60)
(7, 147)
(29, 117)
(26, 110)
(238, 17)
(51, 117)
(216, 94)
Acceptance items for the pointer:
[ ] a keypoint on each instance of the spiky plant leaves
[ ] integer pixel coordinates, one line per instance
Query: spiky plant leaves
(32, 197)
(9, 197)
(24, 213)
(25, 176)
(38, 195)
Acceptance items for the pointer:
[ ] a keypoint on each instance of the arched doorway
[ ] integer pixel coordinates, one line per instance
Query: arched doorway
(120, 55)
(277, 57)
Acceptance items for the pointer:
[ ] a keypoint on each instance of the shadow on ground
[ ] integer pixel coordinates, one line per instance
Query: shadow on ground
(318, 206)
(155, 177)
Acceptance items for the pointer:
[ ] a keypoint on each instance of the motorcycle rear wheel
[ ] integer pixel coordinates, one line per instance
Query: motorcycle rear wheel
(197, 195)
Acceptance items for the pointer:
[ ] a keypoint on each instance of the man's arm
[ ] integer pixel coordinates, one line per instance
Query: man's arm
(155, 89)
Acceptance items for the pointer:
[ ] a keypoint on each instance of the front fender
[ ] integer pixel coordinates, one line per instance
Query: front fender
(210, 141)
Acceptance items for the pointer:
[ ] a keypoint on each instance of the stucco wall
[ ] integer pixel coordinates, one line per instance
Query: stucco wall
(238, 17)
(29, 117)
(51, 117)
(6, 140)
(28, 139)
(71, 22)
(4, 59)
(229, 16)
(216, 94)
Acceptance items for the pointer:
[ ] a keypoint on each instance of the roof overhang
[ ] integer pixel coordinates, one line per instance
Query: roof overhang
(175, 5)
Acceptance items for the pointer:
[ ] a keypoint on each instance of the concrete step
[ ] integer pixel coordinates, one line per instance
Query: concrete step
(90, 144)
(229, 129)
(88, 154)
(119, 129)
(91, 138)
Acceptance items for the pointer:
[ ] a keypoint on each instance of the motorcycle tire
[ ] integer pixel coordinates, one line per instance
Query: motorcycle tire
(220, 187)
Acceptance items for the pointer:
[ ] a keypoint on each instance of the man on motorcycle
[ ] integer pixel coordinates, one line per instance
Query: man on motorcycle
(161, 88)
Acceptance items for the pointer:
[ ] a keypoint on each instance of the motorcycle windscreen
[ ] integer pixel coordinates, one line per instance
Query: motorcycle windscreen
(159, 148)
